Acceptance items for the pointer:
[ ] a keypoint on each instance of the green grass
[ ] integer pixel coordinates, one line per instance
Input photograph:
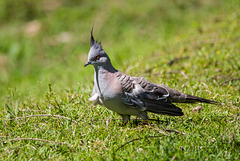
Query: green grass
(44, 89)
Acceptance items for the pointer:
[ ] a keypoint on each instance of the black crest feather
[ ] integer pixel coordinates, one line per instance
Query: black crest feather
(92, 39)
(94, 43)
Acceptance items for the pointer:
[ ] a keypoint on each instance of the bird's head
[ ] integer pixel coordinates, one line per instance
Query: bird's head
(96, 56)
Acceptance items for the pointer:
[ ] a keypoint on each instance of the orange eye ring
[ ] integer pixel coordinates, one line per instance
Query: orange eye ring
(97, 57)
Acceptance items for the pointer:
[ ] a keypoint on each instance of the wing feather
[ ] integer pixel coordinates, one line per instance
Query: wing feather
(146, 96)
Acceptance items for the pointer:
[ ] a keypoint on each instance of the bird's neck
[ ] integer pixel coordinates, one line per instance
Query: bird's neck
(106, 68)
(100, 75)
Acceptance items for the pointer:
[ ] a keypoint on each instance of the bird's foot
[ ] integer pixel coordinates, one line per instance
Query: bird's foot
(145, 122)
(123, 124)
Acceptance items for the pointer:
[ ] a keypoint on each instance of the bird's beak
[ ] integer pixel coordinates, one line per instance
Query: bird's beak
(87, 63)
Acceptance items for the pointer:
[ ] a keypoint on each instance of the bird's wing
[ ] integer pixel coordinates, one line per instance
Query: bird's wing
(146, 96)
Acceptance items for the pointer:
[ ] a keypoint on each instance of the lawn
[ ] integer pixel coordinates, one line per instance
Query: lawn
(192, 46)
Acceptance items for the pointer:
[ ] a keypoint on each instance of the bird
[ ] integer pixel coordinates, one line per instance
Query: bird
(128, 95)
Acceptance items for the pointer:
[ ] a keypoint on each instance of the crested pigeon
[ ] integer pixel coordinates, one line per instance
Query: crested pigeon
(127, 95)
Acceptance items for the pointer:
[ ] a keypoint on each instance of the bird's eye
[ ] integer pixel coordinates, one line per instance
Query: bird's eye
(97, 57)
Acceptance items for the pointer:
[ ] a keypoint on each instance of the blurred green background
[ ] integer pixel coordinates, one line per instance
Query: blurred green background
(48, 40)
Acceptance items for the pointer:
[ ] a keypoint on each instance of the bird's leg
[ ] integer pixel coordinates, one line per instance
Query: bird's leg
(144, 116)
(125, 118)
(136, 120)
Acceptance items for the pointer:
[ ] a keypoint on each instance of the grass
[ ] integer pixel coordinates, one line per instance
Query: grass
(192, 46)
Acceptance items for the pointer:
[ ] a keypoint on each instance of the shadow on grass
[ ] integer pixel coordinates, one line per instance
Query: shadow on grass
(138, 122)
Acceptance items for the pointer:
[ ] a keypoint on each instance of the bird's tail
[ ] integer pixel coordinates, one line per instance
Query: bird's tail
(178, 97)
(193, 99)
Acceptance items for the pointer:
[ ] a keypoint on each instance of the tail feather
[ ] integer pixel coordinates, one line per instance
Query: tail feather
(179, 97)
(193, 99)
